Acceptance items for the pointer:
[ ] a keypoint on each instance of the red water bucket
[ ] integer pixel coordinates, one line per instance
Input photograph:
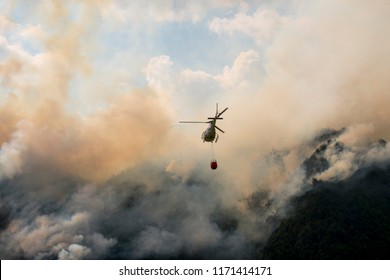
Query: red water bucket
(213, 164)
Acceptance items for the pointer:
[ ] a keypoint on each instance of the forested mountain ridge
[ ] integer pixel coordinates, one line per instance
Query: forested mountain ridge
(344, 218)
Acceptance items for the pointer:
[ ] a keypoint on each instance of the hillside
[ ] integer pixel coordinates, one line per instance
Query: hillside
(336, 219)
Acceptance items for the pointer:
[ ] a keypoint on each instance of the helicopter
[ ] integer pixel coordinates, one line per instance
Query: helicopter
(210, 134)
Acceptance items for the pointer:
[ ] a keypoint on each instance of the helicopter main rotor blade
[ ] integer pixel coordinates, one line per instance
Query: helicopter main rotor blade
(219, 129)
(222, 112)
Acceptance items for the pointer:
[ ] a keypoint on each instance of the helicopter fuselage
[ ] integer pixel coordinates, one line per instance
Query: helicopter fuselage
(209, 134)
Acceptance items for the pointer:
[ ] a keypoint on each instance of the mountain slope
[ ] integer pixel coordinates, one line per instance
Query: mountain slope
(337, 219)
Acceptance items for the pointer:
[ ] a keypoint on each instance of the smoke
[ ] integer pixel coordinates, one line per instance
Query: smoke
(113, 178)
(96, 146)
(352, 150)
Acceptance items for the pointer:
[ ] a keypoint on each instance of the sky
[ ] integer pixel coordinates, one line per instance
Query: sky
(93, 160)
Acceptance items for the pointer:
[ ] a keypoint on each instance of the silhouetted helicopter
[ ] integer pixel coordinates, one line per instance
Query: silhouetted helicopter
(209, 135)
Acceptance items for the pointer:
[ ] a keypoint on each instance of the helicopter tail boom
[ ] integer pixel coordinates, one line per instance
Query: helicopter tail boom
(192, 122)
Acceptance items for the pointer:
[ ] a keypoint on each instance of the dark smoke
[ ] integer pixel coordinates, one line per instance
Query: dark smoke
(134, 216)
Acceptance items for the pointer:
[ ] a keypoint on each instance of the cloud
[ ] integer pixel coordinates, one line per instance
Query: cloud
(205, 89)
(163, 11)
(261, 26)
(158, 73)
(239, 74)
